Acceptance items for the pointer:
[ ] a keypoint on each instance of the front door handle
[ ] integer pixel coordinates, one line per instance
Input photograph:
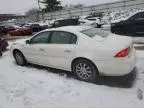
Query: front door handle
(67, 51)
(41, 49)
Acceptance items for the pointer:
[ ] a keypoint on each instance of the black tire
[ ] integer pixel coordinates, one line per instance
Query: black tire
(19, 58)
(94, 77)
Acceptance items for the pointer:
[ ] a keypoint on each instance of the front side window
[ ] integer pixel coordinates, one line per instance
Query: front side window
(60, 37)
(41, 38)
(92, 32)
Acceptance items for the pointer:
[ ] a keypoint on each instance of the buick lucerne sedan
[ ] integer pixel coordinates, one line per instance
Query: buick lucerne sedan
(86, 51)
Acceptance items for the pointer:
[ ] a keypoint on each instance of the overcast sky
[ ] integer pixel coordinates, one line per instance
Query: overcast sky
(21, 6)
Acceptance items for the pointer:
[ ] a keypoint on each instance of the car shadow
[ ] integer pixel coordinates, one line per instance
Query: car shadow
(126, 81)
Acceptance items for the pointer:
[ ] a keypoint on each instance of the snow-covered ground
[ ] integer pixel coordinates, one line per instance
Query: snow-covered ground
(33, 87)
(117, 16)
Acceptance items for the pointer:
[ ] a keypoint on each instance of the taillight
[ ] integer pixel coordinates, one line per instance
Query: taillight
(123, 53)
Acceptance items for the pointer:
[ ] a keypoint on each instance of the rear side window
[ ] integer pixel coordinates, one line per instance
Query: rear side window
(138, 15)
(73, 39)
(92, 32)
(59, 37)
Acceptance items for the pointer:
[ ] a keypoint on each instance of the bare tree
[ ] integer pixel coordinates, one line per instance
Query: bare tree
(51, 5)
(33, 14)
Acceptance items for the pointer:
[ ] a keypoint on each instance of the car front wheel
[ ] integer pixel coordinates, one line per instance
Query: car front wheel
(85, 70)
(20, 59)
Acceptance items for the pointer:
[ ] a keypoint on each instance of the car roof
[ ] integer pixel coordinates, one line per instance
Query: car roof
(126, 15)
(70, 28)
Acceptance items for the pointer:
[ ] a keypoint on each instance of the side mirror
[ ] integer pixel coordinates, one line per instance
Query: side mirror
(27, 41)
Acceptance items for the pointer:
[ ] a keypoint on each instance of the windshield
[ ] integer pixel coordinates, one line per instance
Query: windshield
(92, 32)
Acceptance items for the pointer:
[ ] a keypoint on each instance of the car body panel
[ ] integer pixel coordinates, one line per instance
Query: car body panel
(132, 26)
(100, 51)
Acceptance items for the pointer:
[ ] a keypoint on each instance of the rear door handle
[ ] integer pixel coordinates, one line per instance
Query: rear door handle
(67, 51)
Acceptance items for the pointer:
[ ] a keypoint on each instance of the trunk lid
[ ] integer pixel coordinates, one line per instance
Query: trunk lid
(113, 44)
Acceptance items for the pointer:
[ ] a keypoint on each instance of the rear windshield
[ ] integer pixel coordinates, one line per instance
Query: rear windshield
(92, 32)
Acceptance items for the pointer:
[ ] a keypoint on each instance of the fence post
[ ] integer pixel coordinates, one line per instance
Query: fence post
(81, 11)
(124, 4)
(60, 14)
(69, 11)
(51, 15)
(107, 7)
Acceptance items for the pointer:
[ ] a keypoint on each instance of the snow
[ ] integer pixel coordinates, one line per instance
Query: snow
(121, 15)
(140, 54)
(37, 87)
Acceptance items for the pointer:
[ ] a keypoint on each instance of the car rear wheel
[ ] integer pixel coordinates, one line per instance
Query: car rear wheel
(20, 59)
(85, 70)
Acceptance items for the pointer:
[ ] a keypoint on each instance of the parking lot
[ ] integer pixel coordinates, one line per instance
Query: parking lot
(78, 54)
(35, 86)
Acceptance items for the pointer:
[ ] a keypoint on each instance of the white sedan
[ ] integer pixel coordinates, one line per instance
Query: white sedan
(86, 51)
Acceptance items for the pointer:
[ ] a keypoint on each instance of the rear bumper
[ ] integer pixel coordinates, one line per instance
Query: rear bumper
(117, 66)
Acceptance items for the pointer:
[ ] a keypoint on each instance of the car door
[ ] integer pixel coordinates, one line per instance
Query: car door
(139, 24)
(136, 25)
(126, 27)
(35, 50)
(61, 48)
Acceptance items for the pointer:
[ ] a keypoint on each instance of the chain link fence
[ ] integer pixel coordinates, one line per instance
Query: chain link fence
(109, 7)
